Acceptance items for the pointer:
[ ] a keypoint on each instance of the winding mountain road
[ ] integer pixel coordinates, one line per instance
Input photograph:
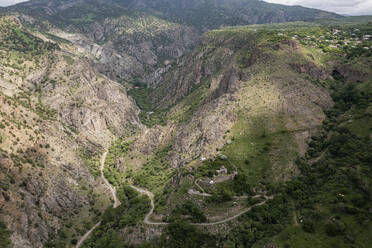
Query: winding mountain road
(113, 192)
(235, 216)
(151, 196)
(148, 215)
(112, 188)
(86, 235)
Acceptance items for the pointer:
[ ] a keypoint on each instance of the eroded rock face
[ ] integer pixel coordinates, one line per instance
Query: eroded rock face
(152, 138)
(228, 84)
(277, 94)
(311, 69)
(125, 53)
(92, 104)
(203, 133)
(350, 74)
(65, 108)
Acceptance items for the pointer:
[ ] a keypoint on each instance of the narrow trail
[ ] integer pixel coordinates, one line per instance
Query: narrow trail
(112, 188)
(148, 215)
(193, 192)
(295, 222)
(235, 216)
(196, 183)
(86, 235)
(151, 196)
(113, 192)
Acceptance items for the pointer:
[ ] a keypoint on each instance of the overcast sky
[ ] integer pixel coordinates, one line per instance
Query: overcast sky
(352, 7)
(10, 2)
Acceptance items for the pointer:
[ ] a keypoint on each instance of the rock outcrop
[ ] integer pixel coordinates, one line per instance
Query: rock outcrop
(57, 109)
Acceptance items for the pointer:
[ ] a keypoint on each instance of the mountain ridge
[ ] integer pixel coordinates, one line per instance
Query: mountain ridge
(206, 125)
(137, 56)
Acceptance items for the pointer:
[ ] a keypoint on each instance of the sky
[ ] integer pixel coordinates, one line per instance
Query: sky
(10, 2)
(351, 7)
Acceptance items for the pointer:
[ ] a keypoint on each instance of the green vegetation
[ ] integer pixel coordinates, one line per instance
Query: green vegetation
(333, 194)
(92, 161)
(182, 234)
(262, 222)
(189, 211)
(149, 115)
(156, 173)
(131, 211)
(118, 150)
(209, 167)
(17, 39)
(4, 236)
(68, 59)
(252, 153)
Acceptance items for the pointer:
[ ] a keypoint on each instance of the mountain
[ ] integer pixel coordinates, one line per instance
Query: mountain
(252, 113)
(205, 14)
(56, 112)
(211, 14)
(123, 126)
(127, 44)
(138, 40)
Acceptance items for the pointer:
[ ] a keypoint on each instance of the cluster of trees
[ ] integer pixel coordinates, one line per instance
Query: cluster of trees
(16, 39)
(188, 211)
(149, 115)
(209, 167)
(113, 174)
(340, 181)
(262, 222)
(132, 210)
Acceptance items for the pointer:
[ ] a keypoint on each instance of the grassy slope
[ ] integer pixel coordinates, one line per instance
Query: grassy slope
(336, 212)
(257, 143)
(263, 148)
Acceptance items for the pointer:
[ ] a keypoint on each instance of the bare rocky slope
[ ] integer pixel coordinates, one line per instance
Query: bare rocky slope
(69, 113)
(126, 44)
(138, 40)
(234, 87)
(233, 120)
(247, 99)
(57, 112)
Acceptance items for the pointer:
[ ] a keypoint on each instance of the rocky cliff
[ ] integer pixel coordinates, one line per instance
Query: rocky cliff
(244, 98)
(137, 40)
(57, 113)
(234, 88)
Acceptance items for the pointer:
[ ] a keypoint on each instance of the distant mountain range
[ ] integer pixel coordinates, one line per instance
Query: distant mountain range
(133, 39)
(203, 14)
(175, 124)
